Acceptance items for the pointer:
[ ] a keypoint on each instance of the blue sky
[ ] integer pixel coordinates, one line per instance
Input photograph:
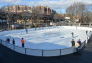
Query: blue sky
(58, 5)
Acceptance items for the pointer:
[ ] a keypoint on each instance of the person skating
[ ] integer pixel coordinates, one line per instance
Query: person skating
(86, 32)
(79, 42)
(79, 49)
(22, 41)
(8, 40)
(13, 42)
(73, 42)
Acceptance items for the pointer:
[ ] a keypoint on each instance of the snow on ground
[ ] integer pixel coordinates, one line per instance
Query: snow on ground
(47, 38)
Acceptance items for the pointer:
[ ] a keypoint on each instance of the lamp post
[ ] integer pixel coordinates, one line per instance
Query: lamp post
(45, 21)
(25, 18)
(8, 20)
(1, 27)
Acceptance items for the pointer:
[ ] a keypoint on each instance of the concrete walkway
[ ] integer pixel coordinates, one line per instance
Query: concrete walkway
(9, 56)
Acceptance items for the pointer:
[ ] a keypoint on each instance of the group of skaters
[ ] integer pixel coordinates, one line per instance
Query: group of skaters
(78, 42)
(13, 41)
(23, 42)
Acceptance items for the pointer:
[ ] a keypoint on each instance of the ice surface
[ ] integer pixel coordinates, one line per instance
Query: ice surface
(47, 38)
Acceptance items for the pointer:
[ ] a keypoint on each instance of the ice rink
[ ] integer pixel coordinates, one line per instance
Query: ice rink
(47, 38)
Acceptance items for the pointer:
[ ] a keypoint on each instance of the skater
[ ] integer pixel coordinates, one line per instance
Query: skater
(73, 42)
(13, 42)
(79, 47)
(26, 30)
(72, 35)
(22, 41)
(86, 32)
(8, 40)
(79, 42)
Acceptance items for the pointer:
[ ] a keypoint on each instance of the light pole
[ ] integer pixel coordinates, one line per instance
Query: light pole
(25, 20)
(8, 20)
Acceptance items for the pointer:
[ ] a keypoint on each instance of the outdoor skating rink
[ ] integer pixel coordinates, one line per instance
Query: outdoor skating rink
(48, 38)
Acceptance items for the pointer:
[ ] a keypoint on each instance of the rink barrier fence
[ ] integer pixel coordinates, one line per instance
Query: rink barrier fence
(39, 52)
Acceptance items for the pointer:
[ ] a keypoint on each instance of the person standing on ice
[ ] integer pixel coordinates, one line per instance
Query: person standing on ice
(73, 42)
(72, 35)
(86, 32)
(22, 41)
(79, 42)
(13, 42)
(8, 40)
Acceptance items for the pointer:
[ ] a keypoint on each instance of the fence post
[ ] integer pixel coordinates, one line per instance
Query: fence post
(1, 41)
(25, 50)
(60, 52)
(42, 52)
(14, 47)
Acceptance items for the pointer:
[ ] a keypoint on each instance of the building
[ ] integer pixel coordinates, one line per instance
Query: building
(17, 9)
(3, 24)
(43, 10)
(44, 15)
(30, 16)
(58, 17)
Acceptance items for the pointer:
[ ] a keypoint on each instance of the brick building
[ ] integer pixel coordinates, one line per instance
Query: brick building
(39, 15)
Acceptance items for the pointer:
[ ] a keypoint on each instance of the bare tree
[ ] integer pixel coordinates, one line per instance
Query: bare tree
(77, 9)
(35, 16)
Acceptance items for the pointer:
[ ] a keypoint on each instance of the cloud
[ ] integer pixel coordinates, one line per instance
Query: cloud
(8, 1)
(57, 4)
(54, 4)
